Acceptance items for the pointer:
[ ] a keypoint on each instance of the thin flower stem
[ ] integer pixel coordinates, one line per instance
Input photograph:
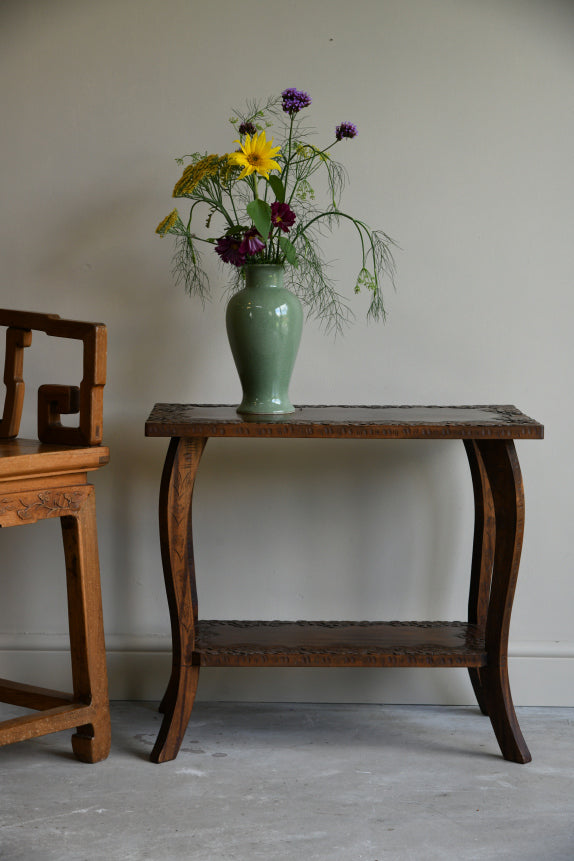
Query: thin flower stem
(228, 190)
(197, 238)
(288, 160)
(358, 225)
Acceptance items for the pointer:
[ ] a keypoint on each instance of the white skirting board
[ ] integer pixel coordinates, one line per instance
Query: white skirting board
(541, 674)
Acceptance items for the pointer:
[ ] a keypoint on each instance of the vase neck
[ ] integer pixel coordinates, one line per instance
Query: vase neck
(264, 275)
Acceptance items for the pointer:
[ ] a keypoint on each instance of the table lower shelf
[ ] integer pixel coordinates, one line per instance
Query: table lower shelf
(339, 644)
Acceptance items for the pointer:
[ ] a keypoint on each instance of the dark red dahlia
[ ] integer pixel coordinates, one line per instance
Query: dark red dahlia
(229, 249)
(282, 216)
(252, 242)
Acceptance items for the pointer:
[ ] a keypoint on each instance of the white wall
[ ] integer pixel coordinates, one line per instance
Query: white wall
(464, 155)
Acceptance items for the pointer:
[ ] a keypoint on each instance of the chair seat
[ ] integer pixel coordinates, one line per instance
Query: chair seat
(28, 458)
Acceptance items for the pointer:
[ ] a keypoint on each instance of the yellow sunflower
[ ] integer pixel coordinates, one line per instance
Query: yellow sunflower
(256, 156)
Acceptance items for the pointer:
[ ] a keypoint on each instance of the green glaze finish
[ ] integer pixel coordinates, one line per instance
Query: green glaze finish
(264, 323)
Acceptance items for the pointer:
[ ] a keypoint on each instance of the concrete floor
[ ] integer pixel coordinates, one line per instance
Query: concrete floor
(296, 783)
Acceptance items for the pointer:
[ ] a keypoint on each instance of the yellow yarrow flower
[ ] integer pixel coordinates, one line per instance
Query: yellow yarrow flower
(168, 222)
(195, 173)
(256, 156)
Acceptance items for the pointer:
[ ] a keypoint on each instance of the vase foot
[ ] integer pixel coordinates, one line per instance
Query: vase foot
(250, 410)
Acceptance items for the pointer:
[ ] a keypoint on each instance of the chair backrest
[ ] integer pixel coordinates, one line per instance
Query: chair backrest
(55, 400)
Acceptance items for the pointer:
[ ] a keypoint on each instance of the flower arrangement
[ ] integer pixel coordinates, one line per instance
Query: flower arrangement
(261, 203)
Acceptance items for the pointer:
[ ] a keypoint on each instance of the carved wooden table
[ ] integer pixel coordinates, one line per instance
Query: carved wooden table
(480, 643)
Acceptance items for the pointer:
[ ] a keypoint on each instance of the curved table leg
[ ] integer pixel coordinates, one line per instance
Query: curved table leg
(175, 505)
(503, 471)
(482, 557)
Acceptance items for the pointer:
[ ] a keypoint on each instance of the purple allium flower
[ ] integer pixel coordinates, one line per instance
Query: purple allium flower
(346, 130)
(282, 216)
(247, 129)
(252, 242)
(229, 249)
(294, 100)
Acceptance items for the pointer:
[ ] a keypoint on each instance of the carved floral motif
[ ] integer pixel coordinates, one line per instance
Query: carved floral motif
(27, 508)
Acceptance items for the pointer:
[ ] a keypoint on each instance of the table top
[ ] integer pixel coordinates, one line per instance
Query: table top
(346, 422)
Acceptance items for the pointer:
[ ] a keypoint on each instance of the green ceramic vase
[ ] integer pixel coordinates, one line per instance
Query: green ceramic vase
(264, 323)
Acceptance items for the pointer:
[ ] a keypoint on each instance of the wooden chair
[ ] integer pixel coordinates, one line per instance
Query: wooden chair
(47, 478)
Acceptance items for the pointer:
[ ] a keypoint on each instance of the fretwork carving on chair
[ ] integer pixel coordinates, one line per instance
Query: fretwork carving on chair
(48, 479)
(55, 400)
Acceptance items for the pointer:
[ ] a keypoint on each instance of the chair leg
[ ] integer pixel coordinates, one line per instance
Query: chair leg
(91, 742)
